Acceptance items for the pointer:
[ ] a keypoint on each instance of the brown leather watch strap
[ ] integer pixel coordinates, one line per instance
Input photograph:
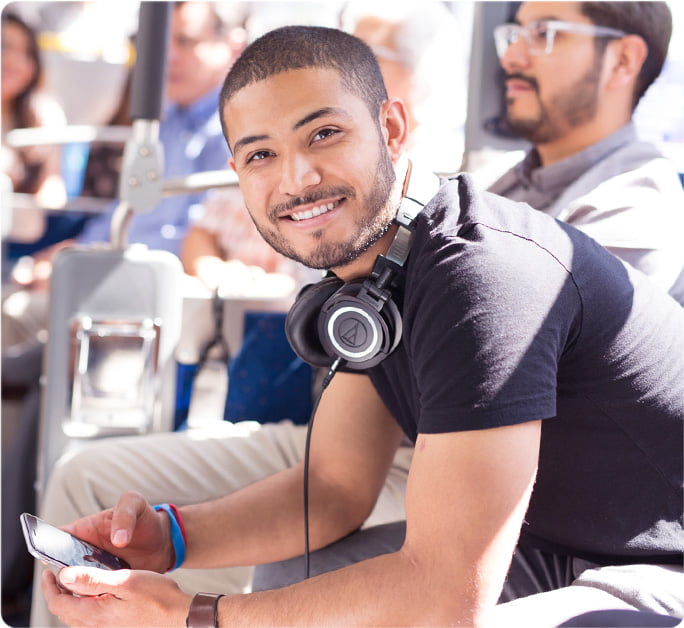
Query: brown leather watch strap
(203, 611)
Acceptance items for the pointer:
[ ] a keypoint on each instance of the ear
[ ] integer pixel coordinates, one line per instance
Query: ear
(628, 55)
(394, 125)
(231, 163)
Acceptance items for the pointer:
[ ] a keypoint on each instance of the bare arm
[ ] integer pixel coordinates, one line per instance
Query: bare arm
(466, 499)
(203, 258)
(353, 443)
(198, 245)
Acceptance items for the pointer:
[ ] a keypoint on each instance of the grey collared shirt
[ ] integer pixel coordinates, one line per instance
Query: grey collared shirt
(620, 191)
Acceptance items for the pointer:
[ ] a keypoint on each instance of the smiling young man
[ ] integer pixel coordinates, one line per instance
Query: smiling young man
(574, 73)
(538, 377)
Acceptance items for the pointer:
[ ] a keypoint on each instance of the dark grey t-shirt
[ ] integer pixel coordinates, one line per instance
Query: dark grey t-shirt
(511, 316)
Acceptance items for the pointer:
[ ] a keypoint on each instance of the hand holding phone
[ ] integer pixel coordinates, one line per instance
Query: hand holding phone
(59, 548)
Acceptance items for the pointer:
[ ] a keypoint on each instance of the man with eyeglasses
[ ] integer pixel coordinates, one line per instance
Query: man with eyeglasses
(574, 73)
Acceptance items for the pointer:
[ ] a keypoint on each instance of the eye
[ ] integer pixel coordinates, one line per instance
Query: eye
(324, 134)
(538, 32)
(259, 155)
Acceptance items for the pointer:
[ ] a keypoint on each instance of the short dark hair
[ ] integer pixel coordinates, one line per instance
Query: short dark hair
(298, 47)
(652, 21)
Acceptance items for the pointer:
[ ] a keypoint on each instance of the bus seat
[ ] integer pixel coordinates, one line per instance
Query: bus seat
(255, 376)
(109, 369)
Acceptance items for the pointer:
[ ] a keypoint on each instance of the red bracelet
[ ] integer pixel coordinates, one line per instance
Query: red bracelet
(181, 525)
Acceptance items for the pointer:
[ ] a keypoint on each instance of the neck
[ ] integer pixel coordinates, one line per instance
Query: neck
(579, 138)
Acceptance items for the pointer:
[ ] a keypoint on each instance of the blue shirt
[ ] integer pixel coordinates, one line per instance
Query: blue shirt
(192, 141)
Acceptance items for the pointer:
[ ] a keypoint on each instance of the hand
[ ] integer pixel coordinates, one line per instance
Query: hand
(132, 530)
(114, 598)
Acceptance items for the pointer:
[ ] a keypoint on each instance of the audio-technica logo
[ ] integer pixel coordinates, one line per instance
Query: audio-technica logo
(353, 333)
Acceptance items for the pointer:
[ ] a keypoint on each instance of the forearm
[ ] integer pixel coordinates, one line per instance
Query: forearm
(390, 590)
(198, 244)
(460, 536)
(264, 522)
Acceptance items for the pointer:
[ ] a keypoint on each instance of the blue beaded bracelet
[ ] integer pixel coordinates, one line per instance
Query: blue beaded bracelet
(177, 536)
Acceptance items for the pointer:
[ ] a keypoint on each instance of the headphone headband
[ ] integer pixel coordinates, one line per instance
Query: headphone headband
(421, 187)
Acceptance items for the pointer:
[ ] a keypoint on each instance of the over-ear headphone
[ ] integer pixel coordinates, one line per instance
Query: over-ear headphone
(357, 320)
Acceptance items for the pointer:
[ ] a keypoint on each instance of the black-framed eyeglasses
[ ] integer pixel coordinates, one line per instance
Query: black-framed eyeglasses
(539, 35)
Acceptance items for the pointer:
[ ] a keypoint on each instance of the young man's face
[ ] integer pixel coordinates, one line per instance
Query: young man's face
(313, 164)
(550, 95)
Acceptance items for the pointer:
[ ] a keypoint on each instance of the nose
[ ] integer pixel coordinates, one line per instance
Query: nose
(516, 56)
(297, 174)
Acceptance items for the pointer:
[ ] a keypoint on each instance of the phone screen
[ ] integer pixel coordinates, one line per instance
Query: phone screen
(55, 546)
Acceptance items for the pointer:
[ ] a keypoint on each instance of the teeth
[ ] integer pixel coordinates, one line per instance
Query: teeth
(314, 211)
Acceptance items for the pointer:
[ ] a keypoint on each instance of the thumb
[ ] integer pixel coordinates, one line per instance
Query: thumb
(129, 509)
(92, 581)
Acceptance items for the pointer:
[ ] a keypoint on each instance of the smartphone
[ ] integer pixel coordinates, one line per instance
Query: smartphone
(59, 548)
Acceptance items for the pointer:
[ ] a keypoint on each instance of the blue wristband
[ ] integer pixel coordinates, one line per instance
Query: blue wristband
(176, 535)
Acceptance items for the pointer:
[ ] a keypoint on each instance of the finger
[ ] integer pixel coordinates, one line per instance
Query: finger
(49, 585)
(71, 607)
(129, 509)
(93, 529)
(90, 581)
(91, 526)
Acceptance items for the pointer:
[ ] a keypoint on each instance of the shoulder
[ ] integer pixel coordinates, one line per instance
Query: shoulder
(636, 175)
(472, 244)
(640, 161)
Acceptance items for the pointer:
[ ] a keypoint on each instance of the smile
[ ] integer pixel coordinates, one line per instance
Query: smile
(317, 210)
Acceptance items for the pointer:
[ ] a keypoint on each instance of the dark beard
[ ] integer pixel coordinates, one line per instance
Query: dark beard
(368, 230)
(574, 107)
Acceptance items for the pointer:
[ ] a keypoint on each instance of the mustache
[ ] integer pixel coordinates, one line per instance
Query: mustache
(282, 208)
(521, 77)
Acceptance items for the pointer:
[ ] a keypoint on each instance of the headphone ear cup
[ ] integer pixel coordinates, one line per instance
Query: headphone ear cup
(359, 328)
(301, 323)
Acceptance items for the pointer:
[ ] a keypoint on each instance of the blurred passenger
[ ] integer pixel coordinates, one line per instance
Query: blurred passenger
(101, 176)
(36, 169)
(422, 52)
(190, 132)
(574, 74)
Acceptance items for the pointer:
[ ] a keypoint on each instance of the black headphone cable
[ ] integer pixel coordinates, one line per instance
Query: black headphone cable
(307, 449)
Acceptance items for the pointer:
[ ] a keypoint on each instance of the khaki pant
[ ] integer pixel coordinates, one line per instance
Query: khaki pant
(185, 468)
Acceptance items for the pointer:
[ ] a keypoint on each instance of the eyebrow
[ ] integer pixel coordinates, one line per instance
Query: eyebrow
(547, 18)
(324, 111)
(314, 115)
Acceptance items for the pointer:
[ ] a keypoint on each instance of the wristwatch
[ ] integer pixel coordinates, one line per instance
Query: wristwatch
(203, 611)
